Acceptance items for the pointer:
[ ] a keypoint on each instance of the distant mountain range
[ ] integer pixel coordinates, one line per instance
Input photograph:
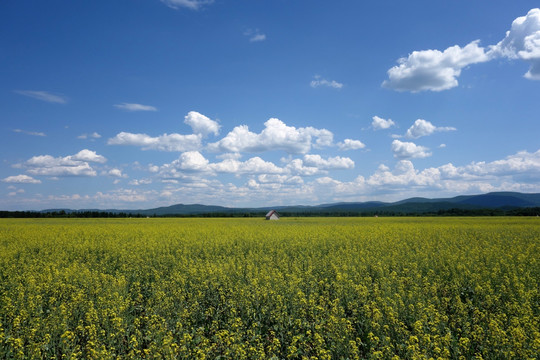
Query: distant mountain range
(417, 205)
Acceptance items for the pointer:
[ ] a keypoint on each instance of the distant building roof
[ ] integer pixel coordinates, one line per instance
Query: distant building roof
(272, 215)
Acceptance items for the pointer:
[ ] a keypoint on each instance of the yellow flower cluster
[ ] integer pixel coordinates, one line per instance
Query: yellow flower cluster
(299, 288)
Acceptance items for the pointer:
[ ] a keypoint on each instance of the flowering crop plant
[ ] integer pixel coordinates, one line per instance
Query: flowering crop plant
(298, 288)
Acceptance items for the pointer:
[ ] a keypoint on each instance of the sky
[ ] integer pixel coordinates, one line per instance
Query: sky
(136, 104)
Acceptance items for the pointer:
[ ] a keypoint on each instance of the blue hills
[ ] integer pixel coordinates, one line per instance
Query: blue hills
(504, 201)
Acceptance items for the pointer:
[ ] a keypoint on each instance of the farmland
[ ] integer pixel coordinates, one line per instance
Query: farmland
(298, 288)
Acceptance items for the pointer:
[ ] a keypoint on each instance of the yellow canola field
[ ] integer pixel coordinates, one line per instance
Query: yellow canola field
(298, 288)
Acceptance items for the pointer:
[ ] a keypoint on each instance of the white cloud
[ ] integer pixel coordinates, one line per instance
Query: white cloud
(432, 69)
(255, 35)
(275, 136)
(331, 163)
(522, 162)
(116, 173)
(21, 179)
(94, 135)
(424, 128)
(404, 174)
(349, 144)
(201, 124)
(33, 133)
(318, 82)
(522, 41)
(517, 172)
(191, 161)
(88, 155)
(405, 150)
(190, 4)
(279, 179)
(135, 107)
(72, 165)
(436, 71)
(165, 142)
(381, 124)
(254, 165)
(297, 167)
(140, 182)
(43, 96)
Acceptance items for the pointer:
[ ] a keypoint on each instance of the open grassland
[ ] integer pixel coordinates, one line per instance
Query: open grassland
(317, 288)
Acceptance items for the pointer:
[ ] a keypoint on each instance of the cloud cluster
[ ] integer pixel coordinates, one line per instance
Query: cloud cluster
(165, 142)
(275, 136)
(384, 183)
(278, 185)
(193, 162)
(72, 165)
(436, 70)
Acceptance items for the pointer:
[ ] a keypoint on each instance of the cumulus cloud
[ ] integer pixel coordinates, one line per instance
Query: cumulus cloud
(88, 155)
(191, 161)
(433, 69)
(436, 70)
(522, 41)
(72, 165)
(190, 4)
(254, 165)
(318, 82)
(43, 96)
(403, 174)
(349, 144)
(521, 162)
(517, 172)
(381, 124)
(21, 179)
(331, 163)
(165, 142)
(135, 107)
(116, 173)
(275, 136)
(298, 168)
(201, 124)
(194, 161)
(406, 150)
(424, 128)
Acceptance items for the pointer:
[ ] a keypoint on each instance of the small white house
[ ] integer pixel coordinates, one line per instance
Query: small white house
(272, 215)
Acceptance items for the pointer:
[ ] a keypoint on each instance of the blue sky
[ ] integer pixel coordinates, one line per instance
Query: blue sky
(144, 103)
